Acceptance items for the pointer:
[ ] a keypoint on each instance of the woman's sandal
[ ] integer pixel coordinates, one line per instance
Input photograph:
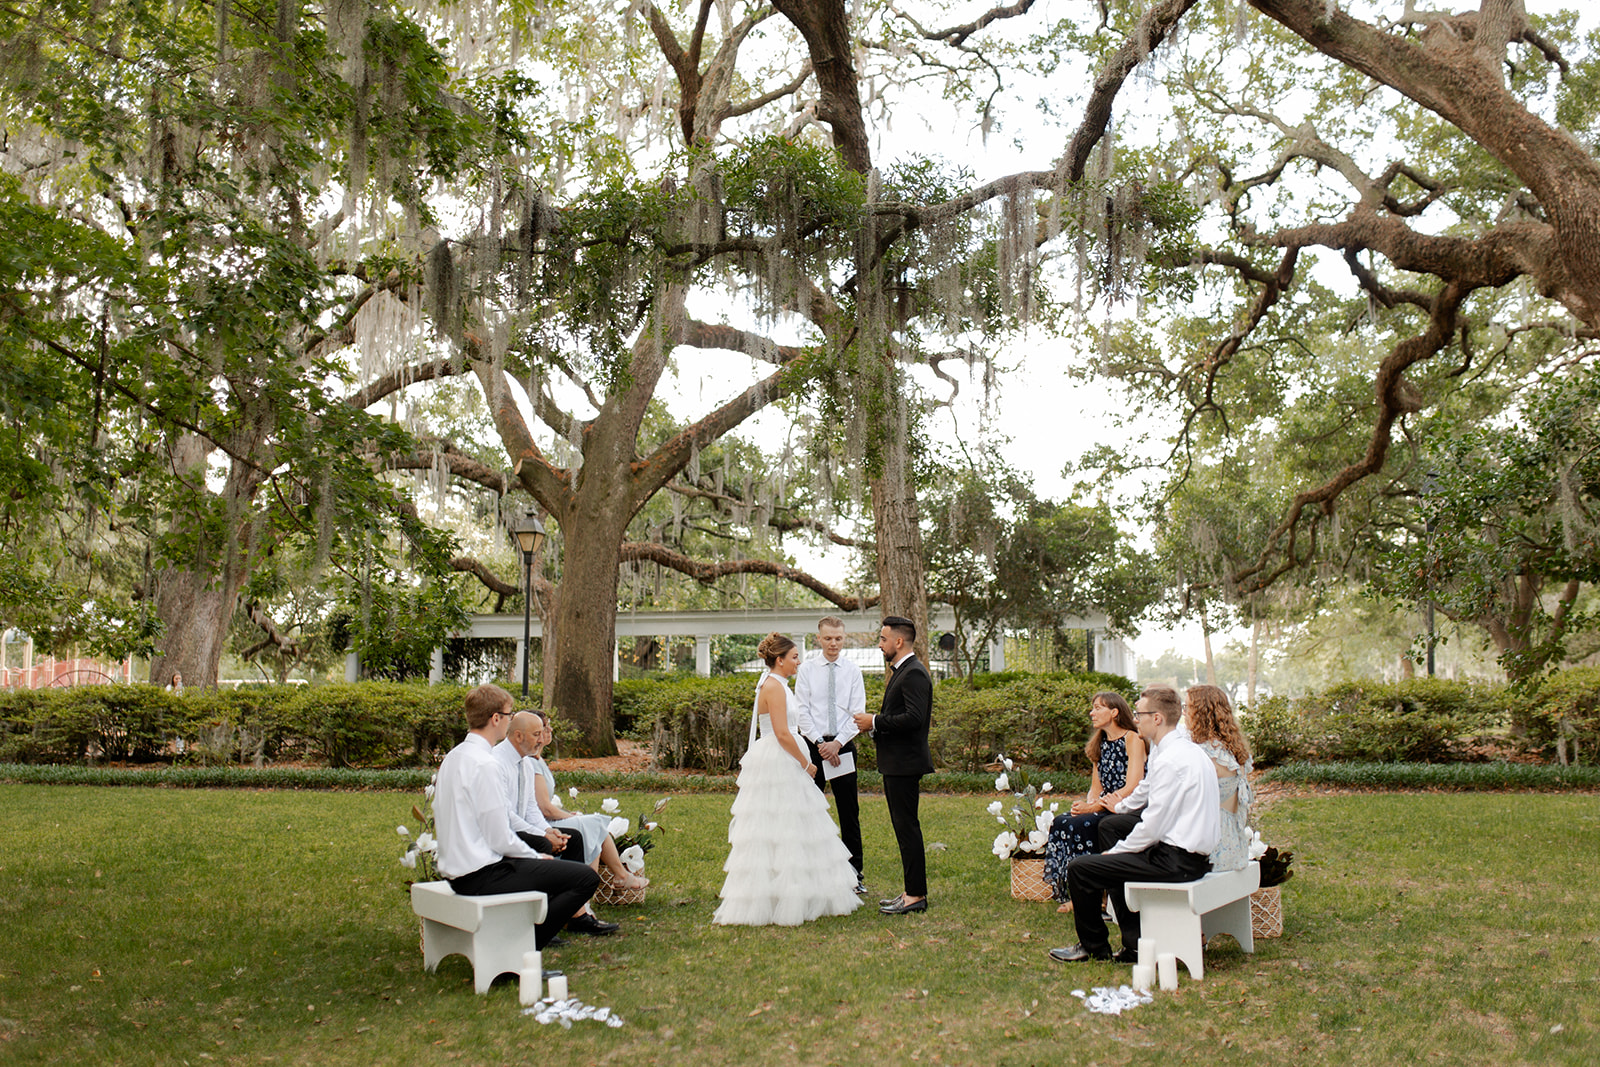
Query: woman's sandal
(1063, 909)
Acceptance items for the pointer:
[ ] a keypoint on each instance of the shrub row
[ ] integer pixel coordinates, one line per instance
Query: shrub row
(703, 723)
(373, 724)
(1431, 720)
(1043, 719)
(1446, 776)
(414, 778)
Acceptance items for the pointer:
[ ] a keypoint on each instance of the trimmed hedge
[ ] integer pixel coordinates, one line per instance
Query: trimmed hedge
(1482, 777)
(415, 778)
(704, 723)
(1431, 720)
(378, 724)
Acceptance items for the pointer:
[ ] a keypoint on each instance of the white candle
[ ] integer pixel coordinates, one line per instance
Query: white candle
(533, 959)
(528, 991)
(1147, 953)
(1144, 976)
(558, 987)
(1167, 969)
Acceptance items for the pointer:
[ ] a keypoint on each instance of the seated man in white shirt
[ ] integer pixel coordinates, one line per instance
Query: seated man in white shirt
(478, 852)
(1172, 841)
(527, 820)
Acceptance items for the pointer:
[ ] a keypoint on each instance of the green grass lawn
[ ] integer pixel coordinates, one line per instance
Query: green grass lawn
(189, 926)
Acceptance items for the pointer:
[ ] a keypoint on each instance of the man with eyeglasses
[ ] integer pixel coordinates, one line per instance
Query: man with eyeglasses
(478, 852)
(1171, 841)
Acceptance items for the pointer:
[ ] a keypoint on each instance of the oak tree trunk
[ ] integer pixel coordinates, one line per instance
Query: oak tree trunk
(196, 610)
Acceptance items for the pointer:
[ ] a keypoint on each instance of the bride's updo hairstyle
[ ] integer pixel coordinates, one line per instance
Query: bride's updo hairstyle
(773, 647)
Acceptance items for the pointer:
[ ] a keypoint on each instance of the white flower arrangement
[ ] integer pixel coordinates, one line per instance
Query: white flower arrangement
(632, 846)
(421, 853)
(1026, 820)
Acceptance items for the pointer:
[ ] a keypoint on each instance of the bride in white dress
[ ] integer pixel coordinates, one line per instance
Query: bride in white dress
(786, 864)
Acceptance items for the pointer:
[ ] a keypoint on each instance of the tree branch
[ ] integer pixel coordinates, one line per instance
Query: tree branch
(650, 551)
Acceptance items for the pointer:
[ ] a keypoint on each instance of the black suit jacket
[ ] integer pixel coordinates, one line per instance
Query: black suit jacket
(900, 731)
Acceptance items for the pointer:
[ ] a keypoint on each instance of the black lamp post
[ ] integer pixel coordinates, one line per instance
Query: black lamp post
(528, 534)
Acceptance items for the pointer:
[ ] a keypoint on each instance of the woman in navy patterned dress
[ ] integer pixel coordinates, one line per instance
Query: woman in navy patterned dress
(1116, 753)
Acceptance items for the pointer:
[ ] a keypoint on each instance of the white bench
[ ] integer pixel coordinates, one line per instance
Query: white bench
(1179, 916)
(491, 931)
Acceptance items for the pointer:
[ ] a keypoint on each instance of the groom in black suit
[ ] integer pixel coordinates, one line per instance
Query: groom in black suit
(900, 732)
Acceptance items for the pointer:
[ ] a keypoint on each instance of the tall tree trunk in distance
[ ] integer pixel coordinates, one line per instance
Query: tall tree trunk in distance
(196, 609)
(196, 603)
(1211, 666)
(1255, 663)
(902, 584)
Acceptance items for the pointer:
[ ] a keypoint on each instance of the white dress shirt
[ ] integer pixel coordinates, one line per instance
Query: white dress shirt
(811, 696)
(470, 815)
(517, 774)
(1184, 807)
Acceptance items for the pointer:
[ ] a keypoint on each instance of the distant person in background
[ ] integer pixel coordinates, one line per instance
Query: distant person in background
(1213, 727)
(828, 691)
(176, 685)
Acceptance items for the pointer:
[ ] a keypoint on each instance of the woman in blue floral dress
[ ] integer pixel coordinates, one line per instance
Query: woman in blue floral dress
(1116, 752)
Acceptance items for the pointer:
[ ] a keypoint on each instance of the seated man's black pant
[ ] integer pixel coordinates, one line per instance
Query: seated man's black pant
(1114, 828)
(567, 886)
(541, 843)
(1089, 876)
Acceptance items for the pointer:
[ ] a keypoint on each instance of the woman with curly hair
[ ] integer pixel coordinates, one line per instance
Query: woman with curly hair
(1213, 728)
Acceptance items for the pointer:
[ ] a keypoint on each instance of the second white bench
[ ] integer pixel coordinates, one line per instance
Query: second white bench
(493, 932)
(1179, 916)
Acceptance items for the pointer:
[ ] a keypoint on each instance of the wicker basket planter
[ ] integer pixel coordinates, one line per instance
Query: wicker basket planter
(1027, 878)
(1266, 912)
(612, 892)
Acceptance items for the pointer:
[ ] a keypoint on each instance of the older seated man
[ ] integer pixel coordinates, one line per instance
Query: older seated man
(479, 855)
(517, 776)
(1171, 841)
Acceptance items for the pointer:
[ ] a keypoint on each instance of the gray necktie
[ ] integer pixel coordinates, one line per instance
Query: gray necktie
(833, 700)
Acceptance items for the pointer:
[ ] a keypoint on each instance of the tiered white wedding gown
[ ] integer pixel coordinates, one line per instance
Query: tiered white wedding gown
(786, 864)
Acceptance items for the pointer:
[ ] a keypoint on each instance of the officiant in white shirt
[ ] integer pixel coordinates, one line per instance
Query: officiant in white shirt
(829, 690)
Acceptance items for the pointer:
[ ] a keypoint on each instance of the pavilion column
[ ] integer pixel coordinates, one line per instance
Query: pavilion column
(702, 655)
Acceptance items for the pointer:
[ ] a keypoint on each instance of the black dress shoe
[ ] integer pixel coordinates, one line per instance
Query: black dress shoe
(901, 907)
(1127, 955)
(555, 942)
(592, 925)
(1077, 954)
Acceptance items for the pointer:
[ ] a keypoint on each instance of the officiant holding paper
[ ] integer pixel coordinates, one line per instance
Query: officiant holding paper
(829, 690)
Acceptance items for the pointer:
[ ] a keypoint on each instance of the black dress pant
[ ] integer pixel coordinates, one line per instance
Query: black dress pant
(902, 792)
(849, 804)
(1090, 876)
(567, 886)
(541, 843)
(1114, 827)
